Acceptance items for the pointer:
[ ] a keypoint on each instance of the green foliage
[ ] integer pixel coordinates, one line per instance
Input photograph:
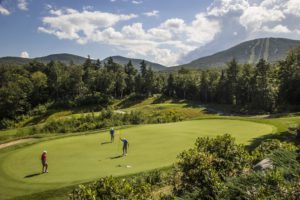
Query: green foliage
(208, 164)
(289, 75)
(218, 168)
(110, 188)
(263, 185)
(263, 88)
(153, 177)
(267, 147)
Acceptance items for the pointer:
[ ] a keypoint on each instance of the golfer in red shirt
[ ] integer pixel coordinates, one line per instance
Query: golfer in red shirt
(44, 162)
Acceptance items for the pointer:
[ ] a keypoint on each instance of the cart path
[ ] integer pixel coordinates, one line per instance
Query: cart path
(11, 143)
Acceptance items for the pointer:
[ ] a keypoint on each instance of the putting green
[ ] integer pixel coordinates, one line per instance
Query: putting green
(87, 157)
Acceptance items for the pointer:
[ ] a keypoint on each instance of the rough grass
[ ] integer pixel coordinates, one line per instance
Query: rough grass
(79, 159)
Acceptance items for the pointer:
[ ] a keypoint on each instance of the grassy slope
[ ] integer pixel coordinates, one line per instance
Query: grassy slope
(147, 106)
(83, 158)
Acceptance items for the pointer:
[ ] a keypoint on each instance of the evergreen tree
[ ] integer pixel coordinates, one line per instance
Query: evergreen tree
(204, 87)
(232, 76)
(130, 72)
(265, 94)
(170, 89)
(289, 75)
(245, 85)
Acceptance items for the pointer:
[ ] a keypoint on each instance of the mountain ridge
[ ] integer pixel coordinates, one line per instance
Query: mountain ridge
(66, 58)
(271, 49)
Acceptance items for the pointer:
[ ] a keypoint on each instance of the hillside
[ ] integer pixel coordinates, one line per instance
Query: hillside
(67, 58)
(136, 63)
(63, 57)
(271, 49)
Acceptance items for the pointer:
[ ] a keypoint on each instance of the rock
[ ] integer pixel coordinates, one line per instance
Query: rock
(264, 164)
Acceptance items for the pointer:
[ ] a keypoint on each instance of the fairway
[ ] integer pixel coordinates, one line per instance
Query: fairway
(87, 157)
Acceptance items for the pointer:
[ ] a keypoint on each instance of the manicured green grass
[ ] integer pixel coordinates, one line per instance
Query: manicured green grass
(78, 159)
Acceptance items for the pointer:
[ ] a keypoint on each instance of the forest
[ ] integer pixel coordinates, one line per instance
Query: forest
(261, 88)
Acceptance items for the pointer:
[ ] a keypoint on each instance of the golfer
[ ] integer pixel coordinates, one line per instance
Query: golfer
(44, 162)
(112, 135)
(125, 146)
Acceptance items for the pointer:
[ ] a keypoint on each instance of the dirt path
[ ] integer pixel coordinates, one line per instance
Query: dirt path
(8, 144)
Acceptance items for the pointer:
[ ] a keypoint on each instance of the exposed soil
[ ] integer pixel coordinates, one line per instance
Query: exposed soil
(8, 144)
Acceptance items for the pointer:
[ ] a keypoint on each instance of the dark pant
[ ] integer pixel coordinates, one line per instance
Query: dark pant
(112, 137)
(124, 149)
(45, 166)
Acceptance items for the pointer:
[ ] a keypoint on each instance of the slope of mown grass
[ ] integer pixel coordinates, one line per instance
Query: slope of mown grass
(79, 159)
(150, 107)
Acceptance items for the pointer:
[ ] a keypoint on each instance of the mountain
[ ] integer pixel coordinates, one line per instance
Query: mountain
(271, 49)
(136, 63)
(207, 50)
(67, 58)
(63, 57)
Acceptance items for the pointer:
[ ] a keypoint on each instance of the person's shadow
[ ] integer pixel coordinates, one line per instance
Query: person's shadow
(105, 143)
(116, 157)
(32, 175)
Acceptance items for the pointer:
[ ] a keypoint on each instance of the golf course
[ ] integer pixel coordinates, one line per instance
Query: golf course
(83, 158)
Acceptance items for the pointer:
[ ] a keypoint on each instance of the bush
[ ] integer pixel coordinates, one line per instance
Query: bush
(263, 185)
(7, 123)
(110, 188)
(153, 177)
(96, 99)
(205, 167)
(39, 110)
(267, 147)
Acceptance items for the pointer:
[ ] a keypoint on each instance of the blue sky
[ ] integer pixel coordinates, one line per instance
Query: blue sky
(164, 31)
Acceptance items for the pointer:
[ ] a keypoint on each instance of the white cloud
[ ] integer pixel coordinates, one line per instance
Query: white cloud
(160, 34)
(4, 11)
(292, 7)
(136, 2)
(24, 54)
(276, 29)
(164, 43)
(23, 5)
(255, 16)
(222, 7)
(153, 13)
(134, 31)
(203, 29)
(174, 23)
(72, 24)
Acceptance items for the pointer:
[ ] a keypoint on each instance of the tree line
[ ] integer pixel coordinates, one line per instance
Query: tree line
(262, 87)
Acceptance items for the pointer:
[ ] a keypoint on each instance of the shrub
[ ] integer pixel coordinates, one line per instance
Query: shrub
(135, 118)
(95, 99)
(203, 168)
(153, 177)
(7, 123)
(39, 110)
(267, 147)
(263, 185)
(110, 188)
